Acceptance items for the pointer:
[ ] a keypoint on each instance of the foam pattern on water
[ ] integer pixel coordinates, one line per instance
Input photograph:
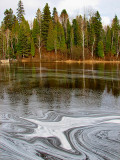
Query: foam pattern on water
(57, 136)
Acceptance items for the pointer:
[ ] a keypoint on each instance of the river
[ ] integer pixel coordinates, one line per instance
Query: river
(59, 111)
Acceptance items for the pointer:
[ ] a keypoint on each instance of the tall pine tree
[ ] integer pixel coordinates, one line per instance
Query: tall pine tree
(100, 49)
(35, 31)
(61, 37)
(20, 11)
(108, 39)
(32, 48)
(97, 24)
(24, 40)
(50, 39)
(79, 20)
(8, 19)
(115, 35)
(45, 23)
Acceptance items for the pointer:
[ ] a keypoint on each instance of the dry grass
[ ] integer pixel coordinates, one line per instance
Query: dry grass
(89, 61)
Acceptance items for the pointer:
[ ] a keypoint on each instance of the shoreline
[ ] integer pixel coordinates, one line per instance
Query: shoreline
(88, 61)
(68, 61)
(25, 60)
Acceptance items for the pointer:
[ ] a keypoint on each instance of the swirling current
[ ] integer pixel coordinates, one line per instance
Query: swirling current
(59, 137)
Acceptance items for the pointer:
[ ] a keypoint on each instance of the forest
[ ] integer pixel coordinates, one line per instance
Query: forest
(78, 39)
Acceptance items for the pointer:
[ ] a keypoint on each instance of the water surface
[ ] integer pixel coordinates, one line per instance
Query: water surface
(58, 111)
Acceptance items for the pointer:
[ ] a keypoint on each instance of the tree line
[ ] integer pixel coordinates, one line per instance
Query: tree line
(80, 38)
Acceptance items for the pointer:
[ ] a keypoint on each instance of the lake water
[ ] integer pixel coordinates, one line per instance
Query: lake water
(58, 111)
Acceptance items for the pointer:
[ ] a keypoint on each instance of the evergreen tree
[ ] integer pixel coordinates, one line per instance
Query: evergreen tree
(61, 37)
(68, 40)
(76, 33)
(55, 17)
(96, 20)
(91, 38)
(45, 23)
(50, 39)
(57, 34)
(24, 41)
(32, 48)
(79, 31)
(115, 35)
(108, 40)
(100, 49)
(15, 29)
(9, 19)
(35, 31)
(20, 11)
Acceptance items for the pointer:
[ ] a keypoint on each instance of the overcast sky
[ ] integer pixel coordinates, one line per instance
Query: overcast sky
(107, 8)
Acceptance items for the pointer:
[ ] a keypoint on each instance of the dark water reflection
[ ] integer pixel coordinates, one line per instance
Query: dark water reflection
(53, 86)
(31, 95)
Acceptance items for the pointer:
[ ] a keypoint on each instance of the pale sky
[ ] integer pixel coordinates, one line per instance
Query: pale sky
(107, 8)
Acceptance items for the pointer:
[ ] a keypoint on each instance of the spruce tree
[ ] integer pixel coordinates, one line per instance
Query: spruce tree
(32, 48)
(45, 23)
(115, 35)
(61, 37)
(8, 19)
(35, 31)
(50, 39)
(108, 43)
(79, 31)
(24, 41)
(100, 49)
(20, 11)
(75, 30)
(68, 40)
(91, 38)
(96, 20)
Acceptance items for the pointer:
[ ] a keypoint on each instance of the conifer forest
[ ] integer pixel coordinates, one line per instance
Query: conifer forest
(83, 37)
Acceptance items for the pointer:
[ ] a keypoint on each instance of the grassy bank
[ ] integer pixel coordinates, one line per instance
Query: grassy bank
(25, 60)
(52, 57)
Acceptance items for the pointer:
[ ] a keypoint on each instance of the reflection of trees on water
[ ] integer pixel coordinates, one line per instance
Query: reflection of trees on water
(53, 83)
(4, 79)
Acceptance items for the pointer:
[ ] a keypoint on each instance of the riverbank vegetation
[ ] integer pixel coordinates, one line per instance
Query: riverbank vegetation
(56, 37)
